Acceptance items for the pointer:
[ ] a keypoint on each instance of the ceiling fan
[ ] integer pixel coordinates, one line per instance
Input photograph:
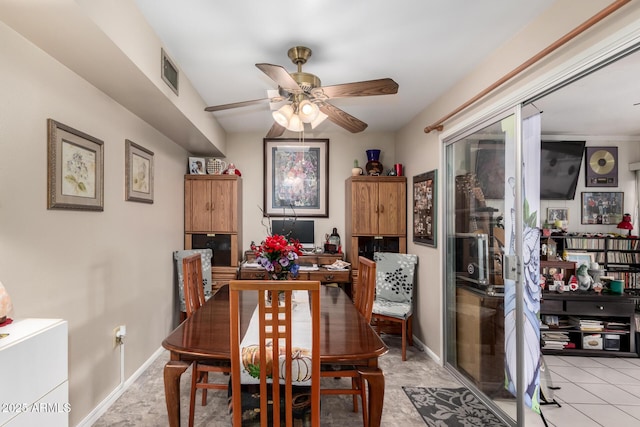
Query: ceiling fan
(305, 100)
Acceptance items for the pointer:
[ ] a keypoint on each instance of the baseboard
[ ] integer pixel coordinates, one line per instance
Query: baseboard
(104, 406)
(422, 347)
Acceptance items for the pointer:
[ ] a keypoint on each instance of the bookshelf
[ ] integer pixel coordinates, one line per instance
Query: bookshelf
(619, 256)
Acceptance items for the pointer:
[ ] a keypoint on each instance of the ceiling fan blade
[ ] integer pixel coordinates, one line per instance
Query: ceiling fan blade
(281, 76)
(365, 88)
(342, 118)
(235, 105)
(275, 131)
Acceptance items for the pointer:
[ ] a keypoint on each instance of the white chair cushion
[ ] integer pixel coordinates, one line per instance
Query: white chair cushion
(400, 310)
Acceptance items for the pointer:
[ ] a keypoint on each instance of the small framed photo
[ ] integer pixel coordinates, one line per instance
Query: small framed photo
(602, 208)
(197, 166)
(557, 214)
(75, 169)
(138, 173)
(425, 208)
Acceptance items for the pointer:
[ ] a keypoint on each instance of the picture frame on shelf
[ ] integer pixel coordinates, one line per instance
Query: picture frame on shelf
(602, 207)
(557, 214)
(197, 166)
(138, 173)
(75, 169)
(425, 208)
(580, 258)
(296, 177)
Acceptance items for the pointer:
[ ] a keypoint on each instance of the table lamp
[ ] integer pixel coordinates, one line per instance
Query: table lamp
(625, 224)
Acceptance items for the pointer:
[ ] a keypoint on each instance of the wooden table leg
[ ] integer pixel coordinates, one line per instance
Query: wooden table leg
(375, 379)
(172, 372)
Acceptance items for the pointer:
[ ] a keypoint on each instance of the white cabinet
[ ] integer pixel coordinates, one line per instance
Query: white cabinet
(34, 373)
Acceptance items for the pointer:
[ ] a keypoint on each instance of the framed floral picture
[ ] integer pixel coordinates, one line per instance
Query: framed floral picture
(75, 169)
(296, 176)
(138, 173)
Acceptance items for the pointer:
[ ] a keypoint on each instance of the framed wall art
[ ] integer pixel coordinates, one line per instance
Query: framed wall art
(425, 208)
(138, 170)
(602, 208)
(557, 214)
(296, 176)
(75, 169)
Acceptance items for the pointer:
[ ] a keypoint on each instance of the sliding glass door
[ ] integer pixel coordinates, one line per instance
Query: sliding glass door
(487, 223)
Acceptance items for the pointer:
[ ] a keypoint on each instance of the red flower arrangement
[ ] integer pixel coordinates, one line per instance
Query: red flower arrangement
(278, 255)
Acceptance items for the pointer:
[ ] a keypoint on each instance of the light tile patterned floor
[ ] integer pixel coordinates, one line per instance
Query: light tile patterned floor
(594, 391)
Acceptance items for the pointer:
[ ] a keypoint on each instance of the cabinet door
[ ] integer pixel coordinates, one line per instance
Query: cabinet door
(223, 204)
(392, 216)
(197, 205)
(365, 208)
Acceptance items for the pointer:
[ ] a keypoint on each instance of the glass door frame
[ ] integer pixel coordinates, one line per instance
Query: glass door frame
(449, 323)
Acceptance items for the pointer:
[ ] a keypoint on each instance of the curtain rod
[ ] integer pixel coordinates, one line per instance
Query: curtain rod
(438, 125)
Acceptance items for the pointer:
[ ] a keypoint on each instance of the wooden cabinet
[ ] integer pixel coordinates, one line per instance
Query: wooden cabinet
(376, 218)
(376, 206)
(480, 339)
(212, 203)
(213, 218)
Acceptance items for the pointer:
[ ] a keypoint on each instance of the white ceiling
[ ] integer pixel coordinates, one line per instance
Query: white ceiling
(426, 46)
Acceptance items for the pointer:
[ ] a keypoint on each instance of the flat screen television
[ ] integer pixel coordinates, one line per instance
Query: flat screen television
(303, 230)
(560, 163)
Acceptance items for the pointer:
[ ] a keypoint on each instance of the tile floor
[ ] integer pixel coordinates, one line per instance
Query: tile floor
(594, 391)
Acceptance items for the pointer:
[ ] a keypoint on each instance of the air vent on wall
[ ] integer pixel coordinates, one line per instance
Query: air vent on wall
(169, 72)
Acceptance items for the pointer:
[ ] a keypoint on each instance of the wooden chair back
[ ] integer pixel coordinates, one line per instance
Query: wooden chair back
(193, 286)
(366, 287)
(275, 325)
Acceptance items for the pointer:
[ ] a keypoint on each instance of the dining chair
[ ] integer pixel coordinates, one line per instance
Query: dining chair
(280, 340)
(394, 293)
(194, 299)
(364, 303)
(178, 256)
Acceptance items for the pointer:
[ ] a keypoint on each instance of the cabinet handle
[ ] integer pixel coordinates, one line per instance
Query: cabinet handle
(601, 307)
(376, 209)
(206, 206)
(329, 276)
(381, 208)
(213, 206)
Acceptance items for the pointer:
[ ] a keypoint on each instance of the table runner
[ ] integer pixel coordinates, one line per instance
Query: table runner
(301, 345)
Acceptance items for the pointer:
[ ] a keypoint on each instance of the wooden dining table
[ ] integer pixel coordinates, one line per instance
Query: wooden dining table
(345, 339)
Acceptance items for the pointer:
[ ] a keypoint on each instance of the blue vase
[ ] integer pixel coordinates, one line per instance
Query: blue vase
(373, 155)
(373, 167)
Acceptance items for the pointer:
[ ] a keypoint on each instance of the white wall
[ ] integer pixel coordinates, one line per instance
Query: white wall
(95, 269)
(628, 152)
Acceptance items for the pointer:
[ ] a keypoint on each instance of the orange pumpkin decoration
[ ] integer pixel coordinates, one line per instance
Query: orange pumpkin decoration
(251, 357)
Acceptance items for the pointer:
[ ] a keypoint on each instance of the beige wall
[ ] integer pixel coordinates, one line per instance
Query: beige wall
(95, 269)
(422, 152)
(246, 152)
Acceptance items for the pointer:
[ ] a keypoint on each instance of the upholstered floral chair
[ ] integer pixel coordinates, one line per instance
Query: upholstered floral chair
(395, 275)
(207, 255)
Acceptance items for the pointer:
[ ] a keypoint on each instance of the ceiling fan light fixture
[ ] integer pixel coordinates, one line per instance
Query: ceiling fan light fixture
(308, 111)
(295, 124)
(283, 115)
(319, 119)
